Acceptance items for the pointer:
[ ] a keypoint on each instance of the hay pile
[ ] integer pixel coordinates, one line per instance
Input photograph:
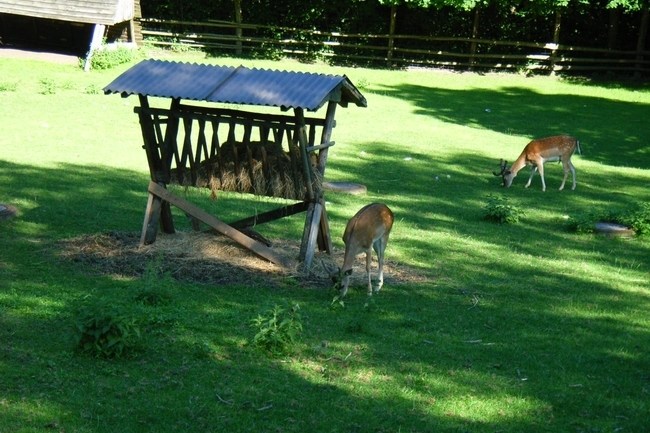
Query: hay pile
(257, 168)
(205, 258)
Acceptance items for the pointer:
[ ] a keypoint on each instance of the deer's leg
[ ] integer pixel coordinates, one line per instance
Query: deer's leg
(565, 168)
(380, 247)
(368, 262)
(540, 168)
(532, 173)
(573, 172)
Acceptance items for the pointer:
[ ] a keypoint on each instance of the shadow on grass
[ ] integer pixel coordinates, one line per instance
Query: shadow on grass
(521, 111)
(490, 345)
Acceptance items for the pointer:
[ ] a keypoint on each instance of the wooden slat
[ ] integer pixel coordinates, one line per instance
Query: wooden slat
(223, 228)
(271, 215)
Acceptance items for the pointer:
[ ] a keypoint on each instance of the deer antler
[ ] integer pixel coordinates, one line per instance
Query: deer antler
(502, 165)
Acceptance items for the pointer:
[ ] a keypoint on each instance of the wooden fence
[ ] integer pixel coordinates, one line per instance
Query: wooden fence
(394, 50)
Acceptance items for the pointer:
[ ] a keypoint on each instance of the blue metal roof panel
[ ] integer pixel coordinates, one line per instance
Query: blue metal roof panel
(235, 85)
(276, 88)
(169, 80)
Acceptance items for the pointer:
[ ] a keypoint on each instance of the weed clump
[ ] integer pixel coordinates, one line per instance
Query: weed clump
(107, 57)
(498, 210)
(104, 333)
(278, 330)
(636, 217)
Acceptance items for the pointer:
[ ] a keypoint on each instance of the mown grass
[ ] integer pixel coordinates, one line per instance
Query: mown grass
(515, 327)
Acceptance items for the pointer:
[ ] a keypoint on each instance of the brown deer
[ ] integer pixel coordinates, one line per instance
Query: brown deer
(536, 153)
(367, 230)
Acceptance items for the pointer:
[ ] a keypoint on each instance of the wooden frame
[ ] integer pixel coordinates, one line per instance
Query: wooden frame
(182, 140)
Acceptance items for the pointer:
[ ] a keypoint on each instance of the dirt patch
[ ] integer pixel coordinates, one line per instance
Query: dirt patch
(206, 258)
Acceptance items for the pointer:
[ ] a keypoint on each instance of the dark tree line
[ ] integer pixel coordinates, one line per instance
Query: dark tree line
(614, 24)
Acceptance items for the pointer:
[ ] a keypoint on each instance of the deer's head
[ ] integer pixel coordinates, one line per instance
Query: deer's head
(505, 173)
(341, 280)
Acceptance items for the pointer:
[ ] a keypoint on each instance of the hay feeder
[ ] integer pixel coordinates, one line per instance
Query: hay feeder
(249, 151)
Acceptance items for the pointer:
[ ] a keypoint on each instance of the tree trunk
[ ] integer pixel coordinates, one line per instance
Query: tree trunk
(556, 40)
(238, 29)
(641, 41)
(612, 34)
(391, 34)
(472, 47)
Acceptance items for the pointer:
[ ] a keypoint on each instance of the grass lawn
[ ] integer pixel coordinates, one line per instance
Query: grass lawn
(524, 327)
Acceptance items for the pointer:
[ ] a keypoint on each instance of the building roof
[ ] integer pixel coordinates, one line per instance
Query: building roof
(107, 12)
(238, 85)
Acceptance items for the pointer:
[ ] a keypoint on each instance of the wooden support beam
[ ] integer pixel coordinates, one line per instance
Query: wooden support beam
(310, 234)
(270, 215)
(151, 218)
(257, 247)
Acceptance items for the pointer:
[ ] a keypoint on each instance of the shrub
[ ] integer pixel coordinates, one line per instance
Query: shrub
(8, 87)
(105, 333)
(636, 217)
(48, 86)
(157, 284)
(278, 330)
(106, 57)
(500, 211)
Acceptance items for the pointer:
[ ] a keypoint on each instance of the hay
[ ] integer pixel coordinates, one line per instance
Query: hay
(205, 258)
(256, 169)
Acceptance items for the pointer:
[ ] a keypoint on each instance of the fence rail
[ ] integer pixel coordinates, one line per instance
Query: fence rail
(395, 50)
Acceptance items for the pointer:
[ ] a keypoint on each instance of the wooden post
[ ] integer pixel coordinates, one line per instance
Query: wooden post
(324, 236)
(95, 42)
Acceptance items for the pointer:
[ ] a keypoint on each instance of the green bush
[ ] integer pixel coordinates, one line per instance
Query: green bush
(636, 217)
(105, 333)
(8, 87)
(47, 86)
(278, 330)
(106, 58)
(500, 211)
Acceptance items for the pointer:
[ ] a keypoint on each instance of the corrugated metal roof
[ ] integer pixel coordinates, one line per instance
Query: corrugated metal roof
(239, 85)
(107, 12)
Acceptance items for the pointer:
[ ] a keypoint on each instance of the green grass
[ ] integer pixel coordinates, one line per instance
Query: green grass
(524, 327)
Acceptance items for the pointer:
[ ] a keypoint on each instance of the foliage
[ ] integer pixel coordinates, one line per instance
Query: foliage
(278, 329)
(499, 210)
(636, 217)
(107, 57)
(157, 284)
(8, 87)
(48, 86)
(104, 332)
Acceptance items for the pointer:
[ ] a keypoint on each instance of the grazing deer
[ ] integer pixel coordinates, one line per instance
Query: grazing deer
(367, 230)
(536, 153)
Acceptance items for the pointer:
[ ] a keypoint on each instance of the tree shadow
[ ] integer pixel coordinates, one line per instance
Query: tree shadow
(521, 111)
(198, 375)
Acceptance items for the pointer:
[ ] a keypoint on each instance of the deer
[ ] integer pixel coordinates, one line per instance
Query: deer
(368, 229)
(536, 153)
